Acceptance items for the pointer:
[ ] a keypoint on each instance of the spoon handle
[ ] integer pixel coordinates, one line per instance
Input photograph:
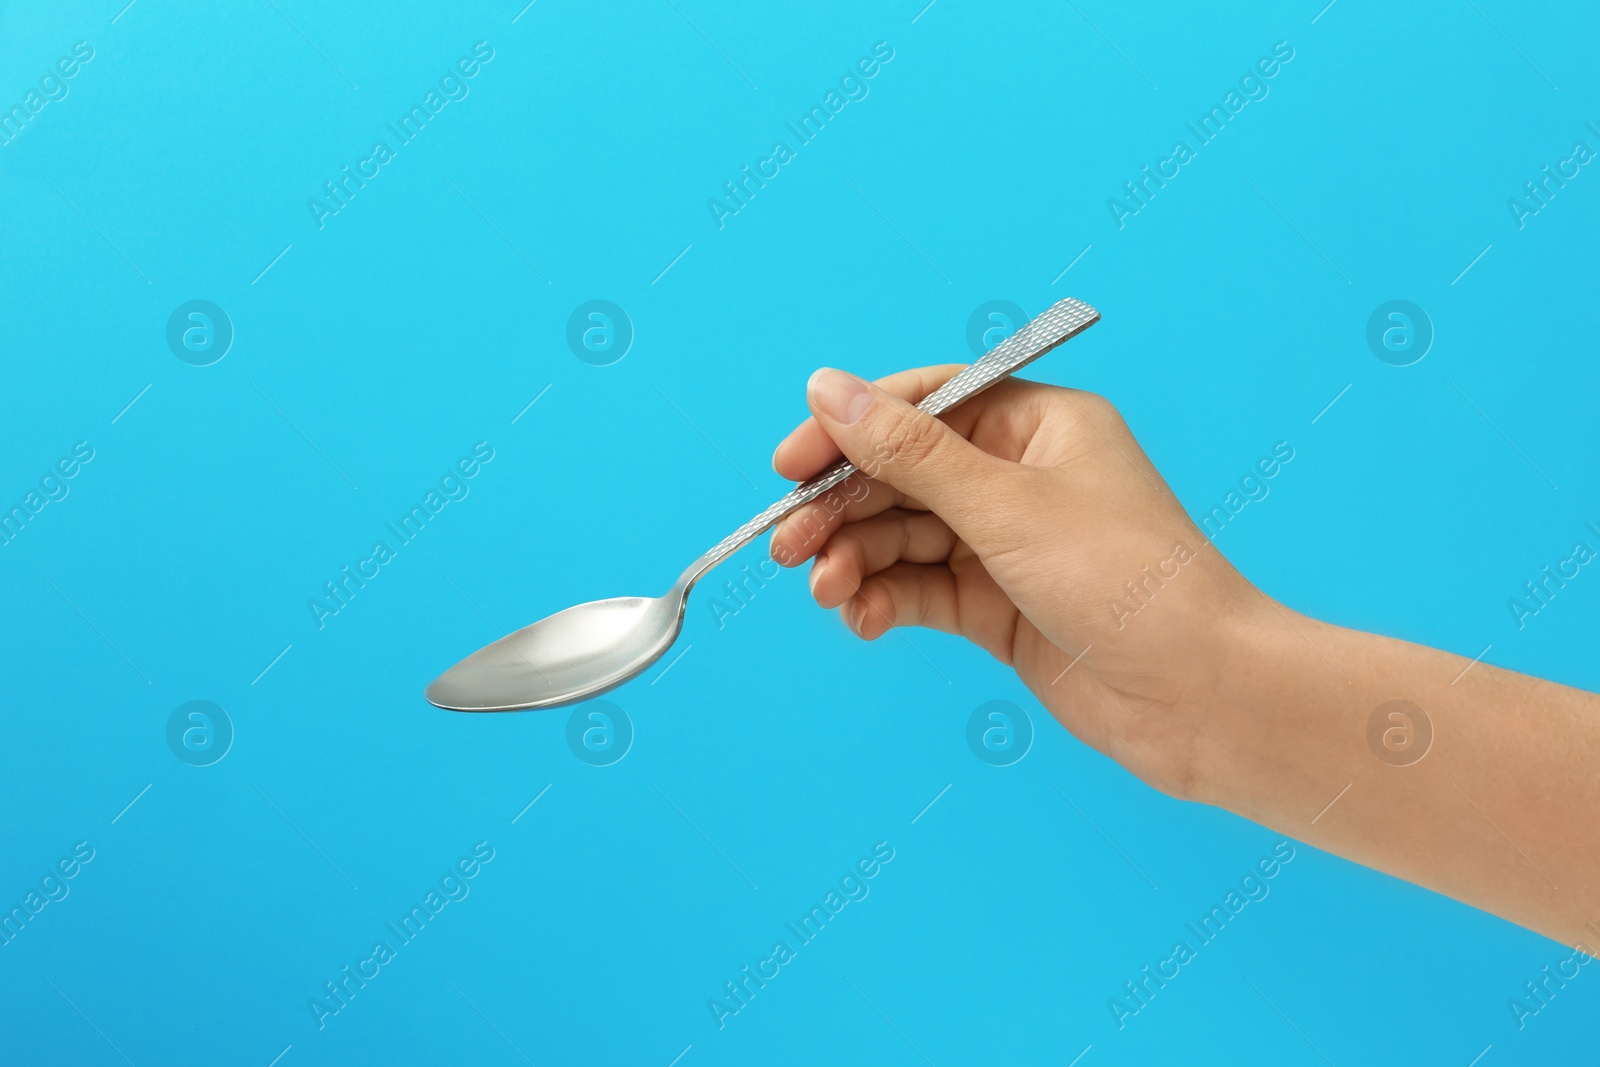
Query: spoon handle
(1063, 321)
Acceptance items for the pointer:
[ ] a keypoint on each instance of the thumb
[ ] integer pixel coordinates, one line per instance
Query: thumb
(904, 447)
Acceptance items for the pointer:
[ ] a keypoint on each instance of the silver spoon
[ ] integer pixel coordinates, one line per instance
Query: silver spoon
(590, 648)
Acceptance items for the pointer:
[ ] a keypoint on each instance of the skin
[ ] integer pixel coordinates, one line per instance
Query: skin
(1025, 521)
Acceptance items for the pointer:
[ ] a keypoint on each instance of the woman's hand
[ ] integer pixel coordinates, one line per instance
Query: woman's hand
(1031, 523)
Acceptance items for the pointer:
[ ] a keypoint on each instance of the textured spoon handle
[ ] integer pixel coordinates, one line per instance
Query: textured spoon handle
(1063, 321)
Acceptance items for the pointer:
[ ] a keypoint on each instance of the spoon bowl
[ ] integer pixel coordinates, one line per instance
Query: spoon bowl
(572, 655)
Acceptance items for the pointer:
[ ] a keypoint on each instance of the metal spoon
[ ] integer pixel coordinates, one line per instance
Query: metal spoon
(590, 648)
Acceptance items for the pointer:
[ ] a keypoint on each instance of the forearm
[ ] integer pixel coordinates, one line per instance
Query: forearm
(1501, 809)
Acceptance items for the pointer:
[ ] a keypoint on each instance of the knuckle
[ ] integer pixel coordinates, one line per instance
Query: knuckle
(1097, 417)
(1099, 407)
(909, 437)
(846, 546)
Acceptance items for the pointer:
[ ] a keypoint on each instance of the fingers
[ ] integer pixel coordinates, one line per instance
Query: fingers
(864, 548)
(808, 448)
(975, 492)
(904, 594)
(802, 535)
(957, 599)
(969, 604)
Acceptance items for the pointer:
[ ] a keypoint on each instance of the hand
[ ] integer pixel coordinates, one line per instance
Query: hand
(1031, 523)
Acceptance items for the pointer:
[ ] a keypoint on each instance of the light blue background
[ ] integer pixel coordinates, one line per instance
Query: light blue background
(778, 749)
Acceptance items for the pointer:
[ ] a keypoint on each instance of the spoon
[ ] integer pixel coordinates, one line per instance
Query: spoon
(590, 648)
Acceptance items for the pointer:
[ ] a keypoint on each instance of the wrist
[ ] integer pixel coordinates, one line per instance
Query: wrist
(1272, 716)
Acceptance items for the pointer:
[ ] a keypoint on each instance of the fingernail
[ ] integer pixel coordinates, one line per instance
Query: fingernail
(816, 572)
(842, 397)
